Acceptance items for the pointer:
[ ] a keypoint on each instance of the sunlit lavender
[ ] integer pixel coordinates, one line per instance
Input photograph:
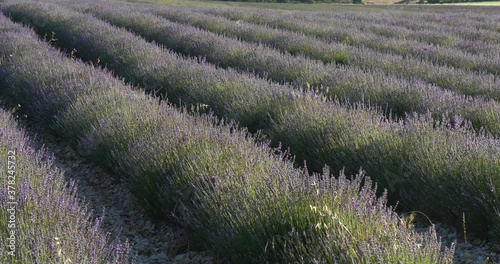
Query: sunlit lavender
(257, 144)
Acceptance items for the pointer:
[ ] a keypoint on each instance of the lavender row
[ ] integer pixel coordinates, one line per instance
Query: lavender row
(466, 53)
(460, 81)
(328, 28)
(467, 40)
(466, 37)
(484, 48)
(235, 195)
(291, 42)
(400, 96)
(435, 54)
(321, 132)
(41, 220)
(463, 24)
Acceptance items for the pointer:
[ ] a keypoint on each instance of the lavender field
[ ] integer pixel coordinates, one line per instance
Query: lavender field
(368, 135)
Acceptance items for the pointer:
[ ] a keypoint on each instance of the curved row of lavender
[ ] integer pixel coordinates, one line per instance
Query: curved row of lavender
(436, 54)
(234, 195)
(468, 36)
(467, 40)
(461, 81)
(397, 95)
(41, 220)
(448, 50)
(471, 24)
(411, 158)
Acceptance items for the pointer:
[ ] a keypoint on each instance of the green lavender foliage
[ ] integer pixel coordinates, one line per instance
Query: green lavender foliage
(400, 96)
(461, 81)
(50, 223)
(318, 131)
(437, 54)
(211, 176)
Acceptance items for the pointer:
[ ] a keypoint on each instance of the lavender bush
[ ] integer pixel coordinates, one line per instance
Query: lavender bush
(413, 159)
(291, 42)
(317, 131)
(212, 177)
(451, 30)
(457, 80)
(236, 96)
(50, 224)
(436, 54)
(400, 96)
(455, 24)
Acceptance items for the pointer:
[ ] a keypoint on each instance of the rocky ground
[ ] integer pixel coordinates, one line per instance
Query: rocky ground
(155, 243)
(472, 251)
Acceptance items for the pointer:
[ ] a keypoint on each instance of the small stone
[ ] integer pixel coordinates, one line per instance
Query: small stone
(181, 257)
(161, 256)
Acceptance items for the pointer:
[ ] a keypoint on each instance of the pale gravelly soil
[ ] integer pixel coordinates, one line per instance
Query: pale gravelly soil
(153, 243)
(472, 251)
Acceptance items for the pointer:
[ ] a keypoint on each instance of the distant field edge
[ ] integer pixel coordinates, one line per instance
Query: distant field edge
(490, 3)
(300, 6)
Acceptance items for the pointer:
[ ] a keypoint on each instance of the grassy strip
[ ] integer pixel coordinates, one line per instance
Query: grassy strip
(435, 54)
(41, 220)
(236, 196)
(400, 96)
(457, 80)
(321, 132)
